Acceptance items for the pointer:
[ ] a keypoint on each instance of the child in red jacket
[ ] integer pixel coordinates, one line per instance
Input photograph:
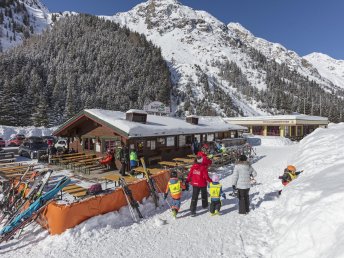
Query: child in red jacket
(198, 177)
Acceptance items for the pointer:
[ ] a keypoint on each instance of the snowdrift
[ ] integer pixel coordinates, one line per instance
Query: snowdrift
(309, 214)
(6, 132)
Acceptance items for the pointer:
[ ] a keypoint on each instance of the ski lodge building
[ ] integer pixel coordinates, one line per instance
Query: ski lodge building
(152, 136)
(290, 126)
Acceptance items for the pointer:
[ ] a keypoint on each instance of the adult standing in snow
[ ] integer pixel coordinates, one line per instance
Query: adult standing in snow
(242, 181)
(195, 146)
(198, 178)
(205, 161)
(123, 158)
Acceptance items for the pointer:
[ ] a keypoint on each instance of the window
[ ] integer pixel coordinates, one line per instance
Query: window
(188, 139)
(170, 141)
(161, 141)
(182, 140)
(86, 145)
(89, 143)
(110, 144)
(210, 137)
(153, 145)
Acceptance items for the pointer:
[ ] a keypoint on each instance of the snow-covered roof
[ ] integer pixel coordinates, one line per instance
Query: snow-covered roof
(160, 125)
(279, 117)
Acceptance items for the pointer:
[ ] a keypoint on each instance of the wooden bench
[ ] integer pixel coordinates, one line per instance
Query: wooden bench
(71, 189)
(113, 178)
(80, 194)
(170, 163)
(7, 160)
(88, 168)
(153, 158)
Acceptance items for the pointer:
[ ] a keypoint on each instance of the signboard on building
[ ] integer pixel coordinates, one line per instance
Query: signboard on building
(157, 107)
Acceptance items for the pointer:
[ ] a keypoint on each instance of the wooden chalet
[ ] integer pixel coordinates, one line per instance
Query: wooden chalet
(96, 130)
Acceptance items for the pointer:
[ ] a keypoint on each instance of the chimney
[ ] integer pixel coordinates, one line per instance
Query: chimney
(135, 115)
(192, 120)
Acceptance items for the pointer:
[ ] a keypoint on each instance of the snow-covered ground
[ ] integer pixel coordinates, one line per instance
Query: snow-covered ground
(305, 221)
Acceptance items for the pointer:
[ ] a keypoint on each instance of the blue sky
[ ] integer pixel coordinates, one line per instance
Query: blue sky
(304, 26)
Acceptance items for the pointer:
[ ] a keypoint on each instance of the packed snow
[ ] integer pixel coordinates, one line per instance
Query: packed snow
(304, 221)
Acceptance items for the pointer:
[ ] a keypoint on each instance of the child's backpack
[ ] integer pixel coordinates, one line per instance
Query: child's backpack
(95, 189)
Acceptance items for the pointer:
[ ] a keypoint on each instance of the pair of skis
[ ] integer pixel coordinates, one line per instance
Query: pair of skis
(151, 184)
(32, 212)
(132, 203)
(35, 192)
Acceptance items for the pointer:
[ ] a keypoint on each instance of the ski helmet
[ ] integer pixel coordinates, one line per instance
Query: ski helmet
(174, 173)
(291, 168)
(215, 178)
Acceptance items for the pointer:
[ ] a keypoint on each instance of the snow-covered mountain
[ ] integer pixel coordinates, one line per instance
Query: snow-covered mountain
(19, 19)
(199, 49)
(328, 67)
(196, 44)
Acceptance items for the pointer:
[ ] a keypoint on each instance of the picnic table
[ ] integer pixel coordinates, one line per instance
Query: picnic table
(87, 164)
(56, 159)
(115, 178)
(185, 160)
(171, 163)
(5, 169)
(75, 190)
(151, 170)
(77, 158)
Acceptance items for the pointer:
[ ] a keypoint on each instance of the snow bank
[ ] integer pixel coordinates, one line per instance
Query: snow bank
(6, 132)
(310, 219)
(271, 141)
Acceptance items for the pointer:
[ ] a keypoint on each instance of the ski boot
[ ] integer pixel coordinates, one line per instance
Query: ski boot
(174, 214)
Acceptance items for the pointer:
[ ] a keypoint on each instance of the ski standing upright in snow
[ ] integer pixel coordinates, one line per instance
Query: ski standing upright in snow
(151, 184)
(133, 204)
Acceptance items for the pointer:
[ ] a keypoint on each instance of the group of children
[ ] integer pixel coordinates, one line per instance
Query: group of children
(175, 187)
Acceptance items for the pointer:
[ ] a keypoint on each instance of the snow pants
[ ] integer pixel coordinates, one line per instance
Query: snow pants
(195, 193)
(244, 201)
(175, 205)
(215, 205)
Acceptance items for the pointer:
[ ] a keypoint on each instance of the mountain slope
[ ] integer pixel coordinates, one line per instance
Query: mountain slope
(328, 67)
(82, 62)
(19, 19)
(219, 69)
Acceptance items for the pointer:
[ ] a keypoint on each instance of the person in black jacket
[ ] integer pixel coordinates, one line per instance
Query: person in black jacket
(123, 158)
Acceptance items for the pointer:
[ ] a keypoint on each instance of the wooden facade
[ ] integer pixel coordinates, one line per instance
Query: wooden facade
(90, 134)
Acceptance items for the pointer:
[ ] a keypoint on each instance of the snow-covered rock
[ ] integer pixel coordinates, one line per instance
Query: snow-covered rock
(29, 16)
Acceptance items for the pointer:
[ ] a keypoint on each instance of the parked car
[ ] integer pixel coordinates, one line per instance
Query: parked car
(33, 147)
(60, 144)
(2, 143)
(16, 140)
(48, 139)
